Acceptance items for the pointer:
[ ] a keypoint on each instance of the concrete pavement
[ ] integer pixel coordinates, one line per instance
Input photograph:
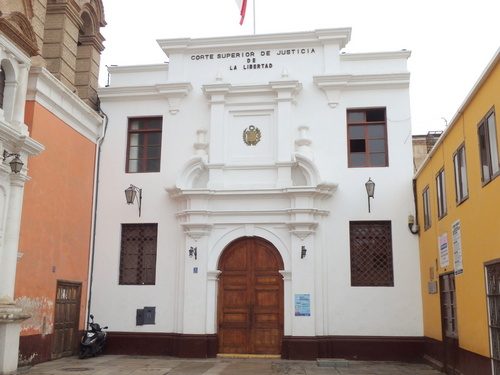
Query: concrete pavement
(135, 365)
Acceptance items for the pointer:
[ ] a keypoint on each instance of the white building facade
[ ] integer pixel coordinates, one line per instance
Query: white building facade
(255, 235)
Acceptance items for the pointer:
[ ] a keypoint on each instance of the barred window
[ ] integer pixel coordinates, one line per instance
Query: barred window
(371, 253)
(493, 293)
(138, 254)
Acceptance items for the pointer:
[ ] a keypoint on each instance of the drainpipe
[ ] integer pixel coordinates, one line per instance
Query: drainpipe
(412, 220)
(99, 142)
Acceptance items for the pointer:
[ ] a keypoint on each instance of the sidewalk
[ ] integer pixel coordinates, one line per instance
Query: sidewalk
(132, 365)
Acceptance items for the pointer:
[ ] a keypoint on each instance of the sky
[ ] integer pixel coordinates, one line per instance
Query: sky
(451, 41)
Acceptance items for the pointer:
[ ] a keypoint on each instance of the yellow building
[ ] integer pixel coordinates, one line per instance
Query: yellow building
(458, 195)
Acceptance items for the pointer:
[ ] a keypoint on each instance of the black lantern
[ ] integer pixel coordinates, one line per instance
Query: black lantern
(16, 164)
(303, 252)
(193, 252)
(131, 194)
(370, 190)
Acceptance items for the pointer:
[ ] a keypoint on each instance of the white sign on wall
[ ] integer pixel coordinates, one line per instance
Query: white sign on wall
(444, 254)
(457, 247)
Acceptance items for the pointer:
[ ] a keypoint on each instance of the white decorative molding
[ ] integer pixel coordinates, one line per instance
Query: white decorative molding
(49, 92)
(333, 85)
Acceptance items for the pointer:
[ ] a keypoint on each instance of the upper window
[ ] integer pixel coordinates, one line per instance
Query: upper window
(371, 253)
(2, 85)
(138, 254)
(441, 194)
(144, 144)
(488, 147)
(367, 136)
(427, 207)
(461, 188)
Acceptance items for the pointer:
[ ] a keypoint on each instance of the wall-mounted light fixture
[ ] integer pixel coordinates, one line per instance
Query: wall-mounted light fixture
(193, 252)
(370, 190)
(411, 224)
(133, 193)
(16, 164)
(303, 252)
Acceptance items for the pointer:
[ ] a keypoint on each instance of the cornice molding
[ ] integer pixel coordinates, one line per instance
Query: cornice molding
(333, 85)
(49, 92)
(340, 36)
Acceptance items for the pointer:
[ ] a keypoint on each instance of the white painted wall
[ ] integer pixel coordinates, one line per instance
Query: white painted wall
(228, 189)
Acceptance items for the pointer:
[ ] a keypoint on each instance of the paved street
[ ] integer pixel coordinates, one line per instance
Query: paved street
(132, 365)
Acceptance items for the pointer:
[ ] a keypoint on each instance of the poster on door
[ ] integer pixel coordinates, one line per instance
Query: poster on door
(302, 305)
(444, 253)
(457, 247)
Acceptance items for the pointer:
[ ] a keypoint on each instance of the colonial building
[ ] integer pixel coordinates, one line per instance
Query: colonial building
(49, 59)
(458, 192)
(251, 230)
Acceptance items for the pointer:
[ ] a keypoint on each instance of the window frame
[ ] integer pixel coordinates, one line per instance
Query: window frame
(461, 180)
(426, 202)
(361, 264)
(366, 124)
(441, 193)
(147, 133)
(488, 148)
(141, 267)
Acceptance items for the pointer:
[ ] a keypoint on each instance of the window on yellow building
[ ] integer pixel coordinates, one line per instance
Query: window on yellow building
(461, 186)
(427, 207)
(441, 194)
(488, 147)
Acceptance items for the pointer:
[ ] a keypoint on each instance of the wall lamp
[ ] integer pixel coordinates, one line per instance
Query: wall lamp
(193, 252)
(303, 252)
(411, 224)
(16, 164)
(131, 195)
(370, 190)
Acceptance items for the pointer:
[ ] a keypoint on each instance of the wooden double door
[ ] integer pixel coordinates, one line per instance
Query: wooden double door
(250, 299)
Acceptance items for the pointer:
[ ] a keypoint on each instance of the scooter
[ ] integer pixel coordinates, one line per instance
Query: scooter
(93, 340)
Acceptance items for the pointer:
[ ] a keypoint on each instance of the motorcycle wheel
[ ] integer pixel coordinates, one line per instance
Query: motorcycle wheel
(84, 353)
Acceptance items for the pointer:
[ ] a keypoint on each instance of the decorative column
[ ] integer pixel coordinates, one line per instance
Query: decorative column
(11, 316)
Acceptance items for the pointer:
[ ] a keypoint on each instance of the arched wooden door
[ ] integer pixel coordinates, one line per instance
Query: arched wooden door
(250, 302)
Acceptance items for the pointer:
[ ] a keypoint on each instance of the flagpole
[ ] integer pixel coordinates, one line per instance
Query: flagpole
(253, 17)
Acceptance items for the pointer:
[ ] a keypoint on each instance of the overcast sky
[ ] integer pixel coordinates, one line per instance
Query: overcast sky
(452, 41)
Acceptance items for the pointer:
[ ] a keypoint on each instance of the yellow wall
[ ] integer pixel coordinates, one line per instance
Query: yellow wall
(479, 218)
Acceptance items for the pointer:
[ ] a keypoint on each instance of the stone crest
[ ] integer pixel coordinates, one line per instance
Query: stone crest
(251, 135)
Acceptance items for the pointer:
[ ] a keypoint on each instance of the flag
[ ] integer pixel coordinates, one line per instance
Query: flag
(242, 5)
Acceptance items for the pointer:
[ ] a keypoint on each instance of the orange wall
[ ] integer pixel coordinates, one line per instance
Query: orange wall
(56, 218)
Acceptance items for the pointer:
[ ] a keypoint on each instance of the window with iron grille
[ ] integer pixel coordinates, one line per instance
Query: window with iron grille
(144, 144)
(371, 253)
(493, 293)
(461, 188)
(426, 199)
(488, 147)
(138, 254)
(449, 305)
(367, 137)
(441, 194)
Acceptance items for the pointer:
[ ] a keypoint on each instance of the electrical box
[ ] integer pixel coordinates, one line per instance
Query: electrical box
(139, 317)
(432, 287)
(145, 316)
(149, 315)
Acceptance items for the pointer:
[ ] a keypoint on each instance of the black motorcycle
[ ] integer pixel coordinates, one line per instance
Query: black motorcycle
(93, 340)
